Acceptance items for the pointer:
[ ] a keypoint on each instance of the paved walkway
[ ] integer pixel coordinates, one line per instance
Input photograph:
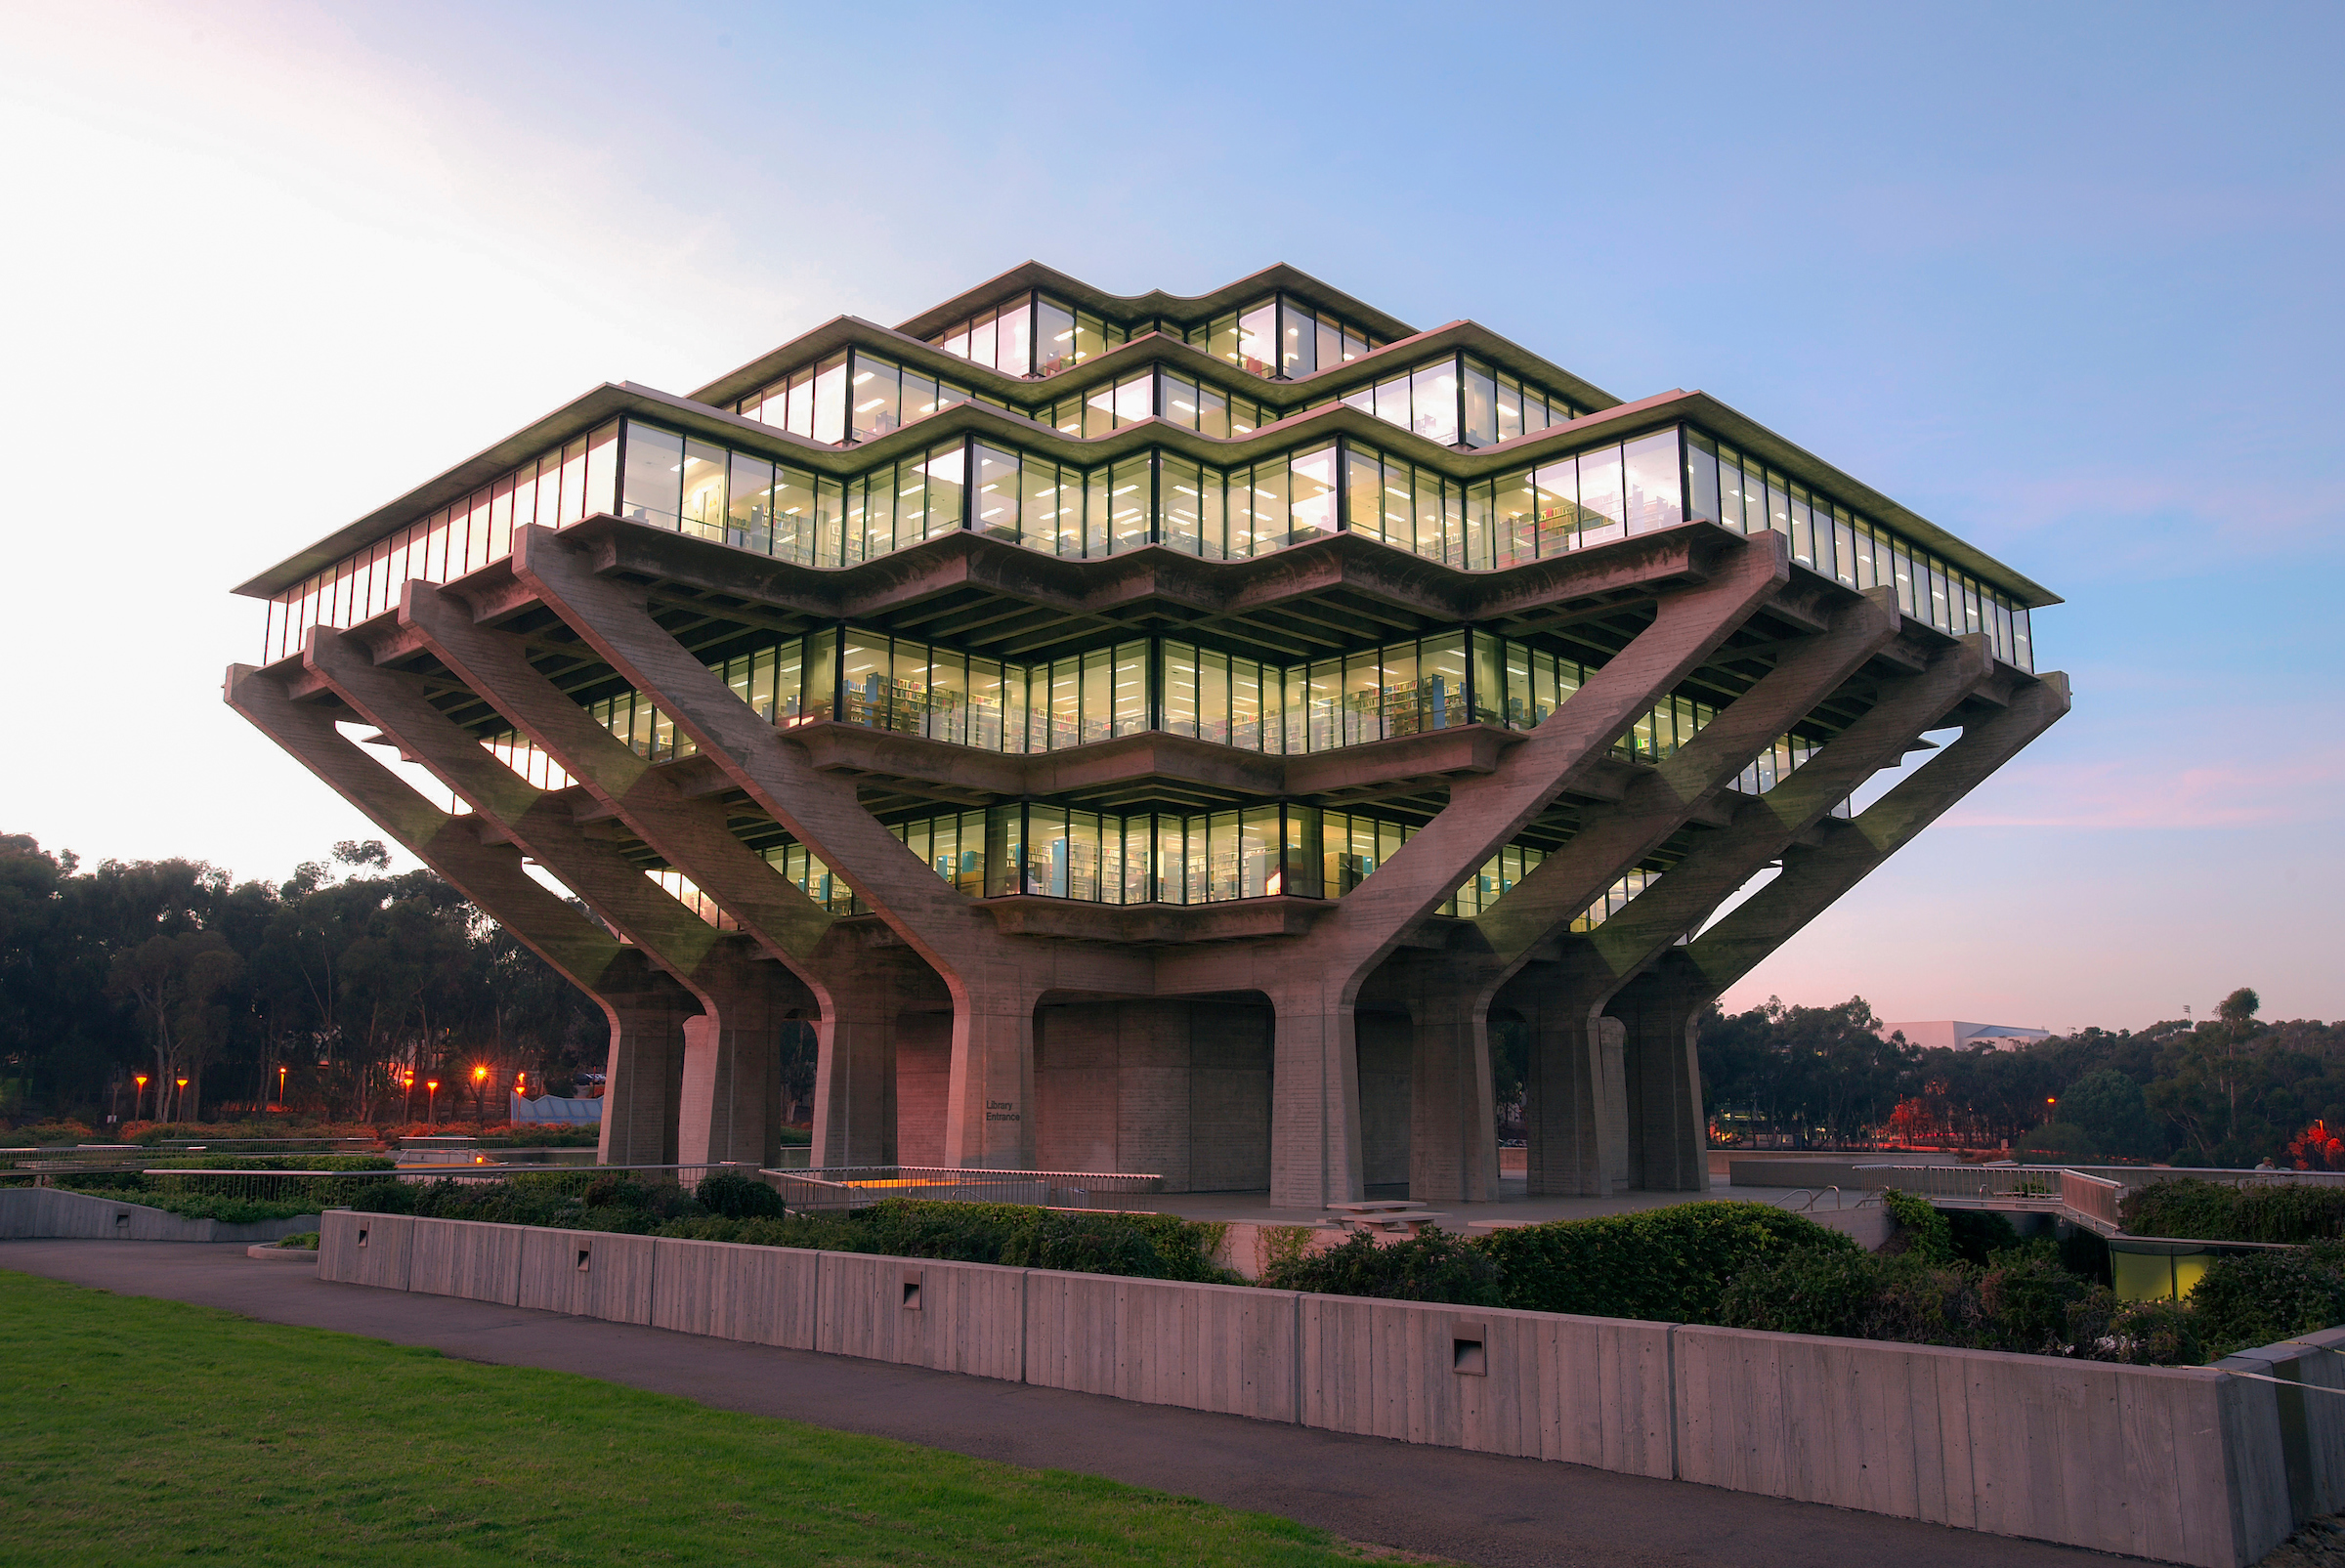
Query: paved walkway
(1482, 1509)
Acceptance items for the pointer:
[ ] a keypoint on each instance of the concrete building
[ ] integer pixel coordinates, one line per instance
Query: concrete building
(1952, 1034)
(1151, 733)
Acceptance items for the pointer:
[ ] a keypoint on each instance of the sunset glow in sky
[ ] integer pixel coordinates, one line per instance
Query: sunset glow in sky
(2063, 281)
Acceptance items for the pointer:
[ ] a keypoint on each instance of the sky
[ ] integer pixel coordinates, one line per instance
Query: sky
(2063, 281)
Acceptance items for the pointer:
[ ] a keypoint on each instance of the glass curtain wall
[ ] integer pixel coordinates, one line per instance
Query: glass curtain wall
(1458, 400)
(1157, 394)
(1075, 511)
(1032, 334)
(1280, 849)
(555, 489)
(1731, 487)
(661, 476)
(1233, 513)
(1283, 337)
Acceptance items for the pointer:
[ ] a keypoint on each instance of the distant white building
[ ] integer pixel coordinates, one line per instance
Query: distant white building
(1951, 1034)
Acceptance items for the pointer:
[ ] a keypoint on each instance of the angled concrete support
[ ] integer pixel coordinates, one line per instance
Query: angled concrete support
(994, 981)
(1660, 1111)
(1815, 875)
(1314, 982)
(693, 835)
(646, 1009)
(728, 1108)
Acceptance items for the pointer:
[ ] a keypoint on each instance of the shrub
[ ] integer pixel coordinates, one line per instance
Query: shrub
(737, 1197)
(2288, 1212)
(2260, 1298)
(1980, 1234)
(1814, 1290)
(1664, 1264)
(1432, 1265)
(2023, 1305)
(1921, 1229)
(2143, 1333)
(299, 1240)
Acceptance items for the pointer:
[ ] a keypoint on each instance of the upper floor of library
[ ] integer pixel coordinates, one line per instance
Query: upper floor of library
(1044, 413)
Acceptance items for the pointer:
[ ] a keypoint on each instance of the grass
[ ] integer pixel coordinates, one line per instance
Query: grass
(141, 1430)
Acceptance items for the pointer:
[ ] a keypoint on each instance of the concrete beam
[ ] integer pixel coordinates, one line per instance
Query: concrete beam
(727, 1105)
(1812, 878)
(995, 980)
(1660, 1119)
(690, 832)
(646, 1009)
(1313, 981)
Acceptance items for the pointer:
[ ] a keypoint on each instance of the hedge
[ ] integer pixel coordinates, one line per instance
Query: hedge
(2288, 1212)
(1665, 1264)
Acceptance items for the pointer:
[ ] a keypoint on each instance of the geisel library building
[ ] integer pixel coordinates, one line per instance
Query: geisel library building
(1152, 733)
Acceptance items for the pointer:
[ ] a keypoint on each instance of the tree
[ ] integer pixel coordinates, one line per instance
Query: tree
(176, 981)
(2109, 1105)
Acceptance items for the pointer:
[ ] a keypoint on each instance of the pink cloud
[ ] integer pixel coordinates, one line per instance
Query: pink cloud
(2132, 792)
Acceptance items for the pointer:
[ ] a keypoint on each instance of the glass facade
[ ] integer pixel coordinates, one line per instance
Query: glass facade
(855, 396)
(1045, 505)
(1160, 395)
(1283, 337)
(1031, 335)
(558, 486)
(1458, 400)
(1221, 856)
(1731, 487)
(1569, 501)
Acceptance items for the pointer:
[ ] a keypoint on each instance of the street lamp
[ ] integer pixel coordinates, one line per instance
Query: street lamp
(479, 1090)
(430, 1102)
(280, 1085)
(139, 1099)
(179, 1106)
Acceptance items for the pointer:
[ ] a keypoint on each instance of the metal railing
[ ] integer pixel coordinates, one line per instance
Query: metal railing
(838, 1188)
(2090, 1201)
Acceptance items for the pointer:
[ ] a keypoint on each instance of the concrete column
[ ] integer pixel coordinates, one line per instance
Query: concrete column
(855, 1073)
(1314, 1100)
(1613, 838)
(642, 1082)
(1453, 1118)
(1668, 1143)
(1663, 1094)
(995, 980)
(1316, 1159)
(643, 1005)
(988, 1105)
(1575, 1107)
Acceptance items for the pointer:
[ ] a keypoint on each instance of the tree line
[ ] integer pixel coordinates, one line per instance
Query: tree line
(341, 992)
(2228, 1091)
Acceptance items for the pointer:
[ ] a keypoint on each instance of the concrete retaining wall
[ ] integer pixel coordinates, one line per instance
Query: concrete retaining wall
(365, 1248)
(2180, 1465)
(1539, 1385)
(1218, 1348)
(953, 1317)
(464, 1257)
(587, 1274)
(52, 1212)
(763, 1295)
(2127, 1459)
(2305, 1432)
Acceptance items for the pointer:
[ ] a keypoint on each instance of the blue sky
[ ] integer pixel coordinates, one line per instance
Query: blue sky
(2062, 279)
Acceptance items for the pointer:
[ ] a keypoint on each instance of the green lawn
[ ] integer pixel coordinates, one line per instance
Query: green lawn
(139, 1430)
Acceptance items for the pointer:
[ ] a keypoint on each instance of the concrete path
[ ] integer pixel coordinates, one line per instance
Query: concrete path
(1496, 1512)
